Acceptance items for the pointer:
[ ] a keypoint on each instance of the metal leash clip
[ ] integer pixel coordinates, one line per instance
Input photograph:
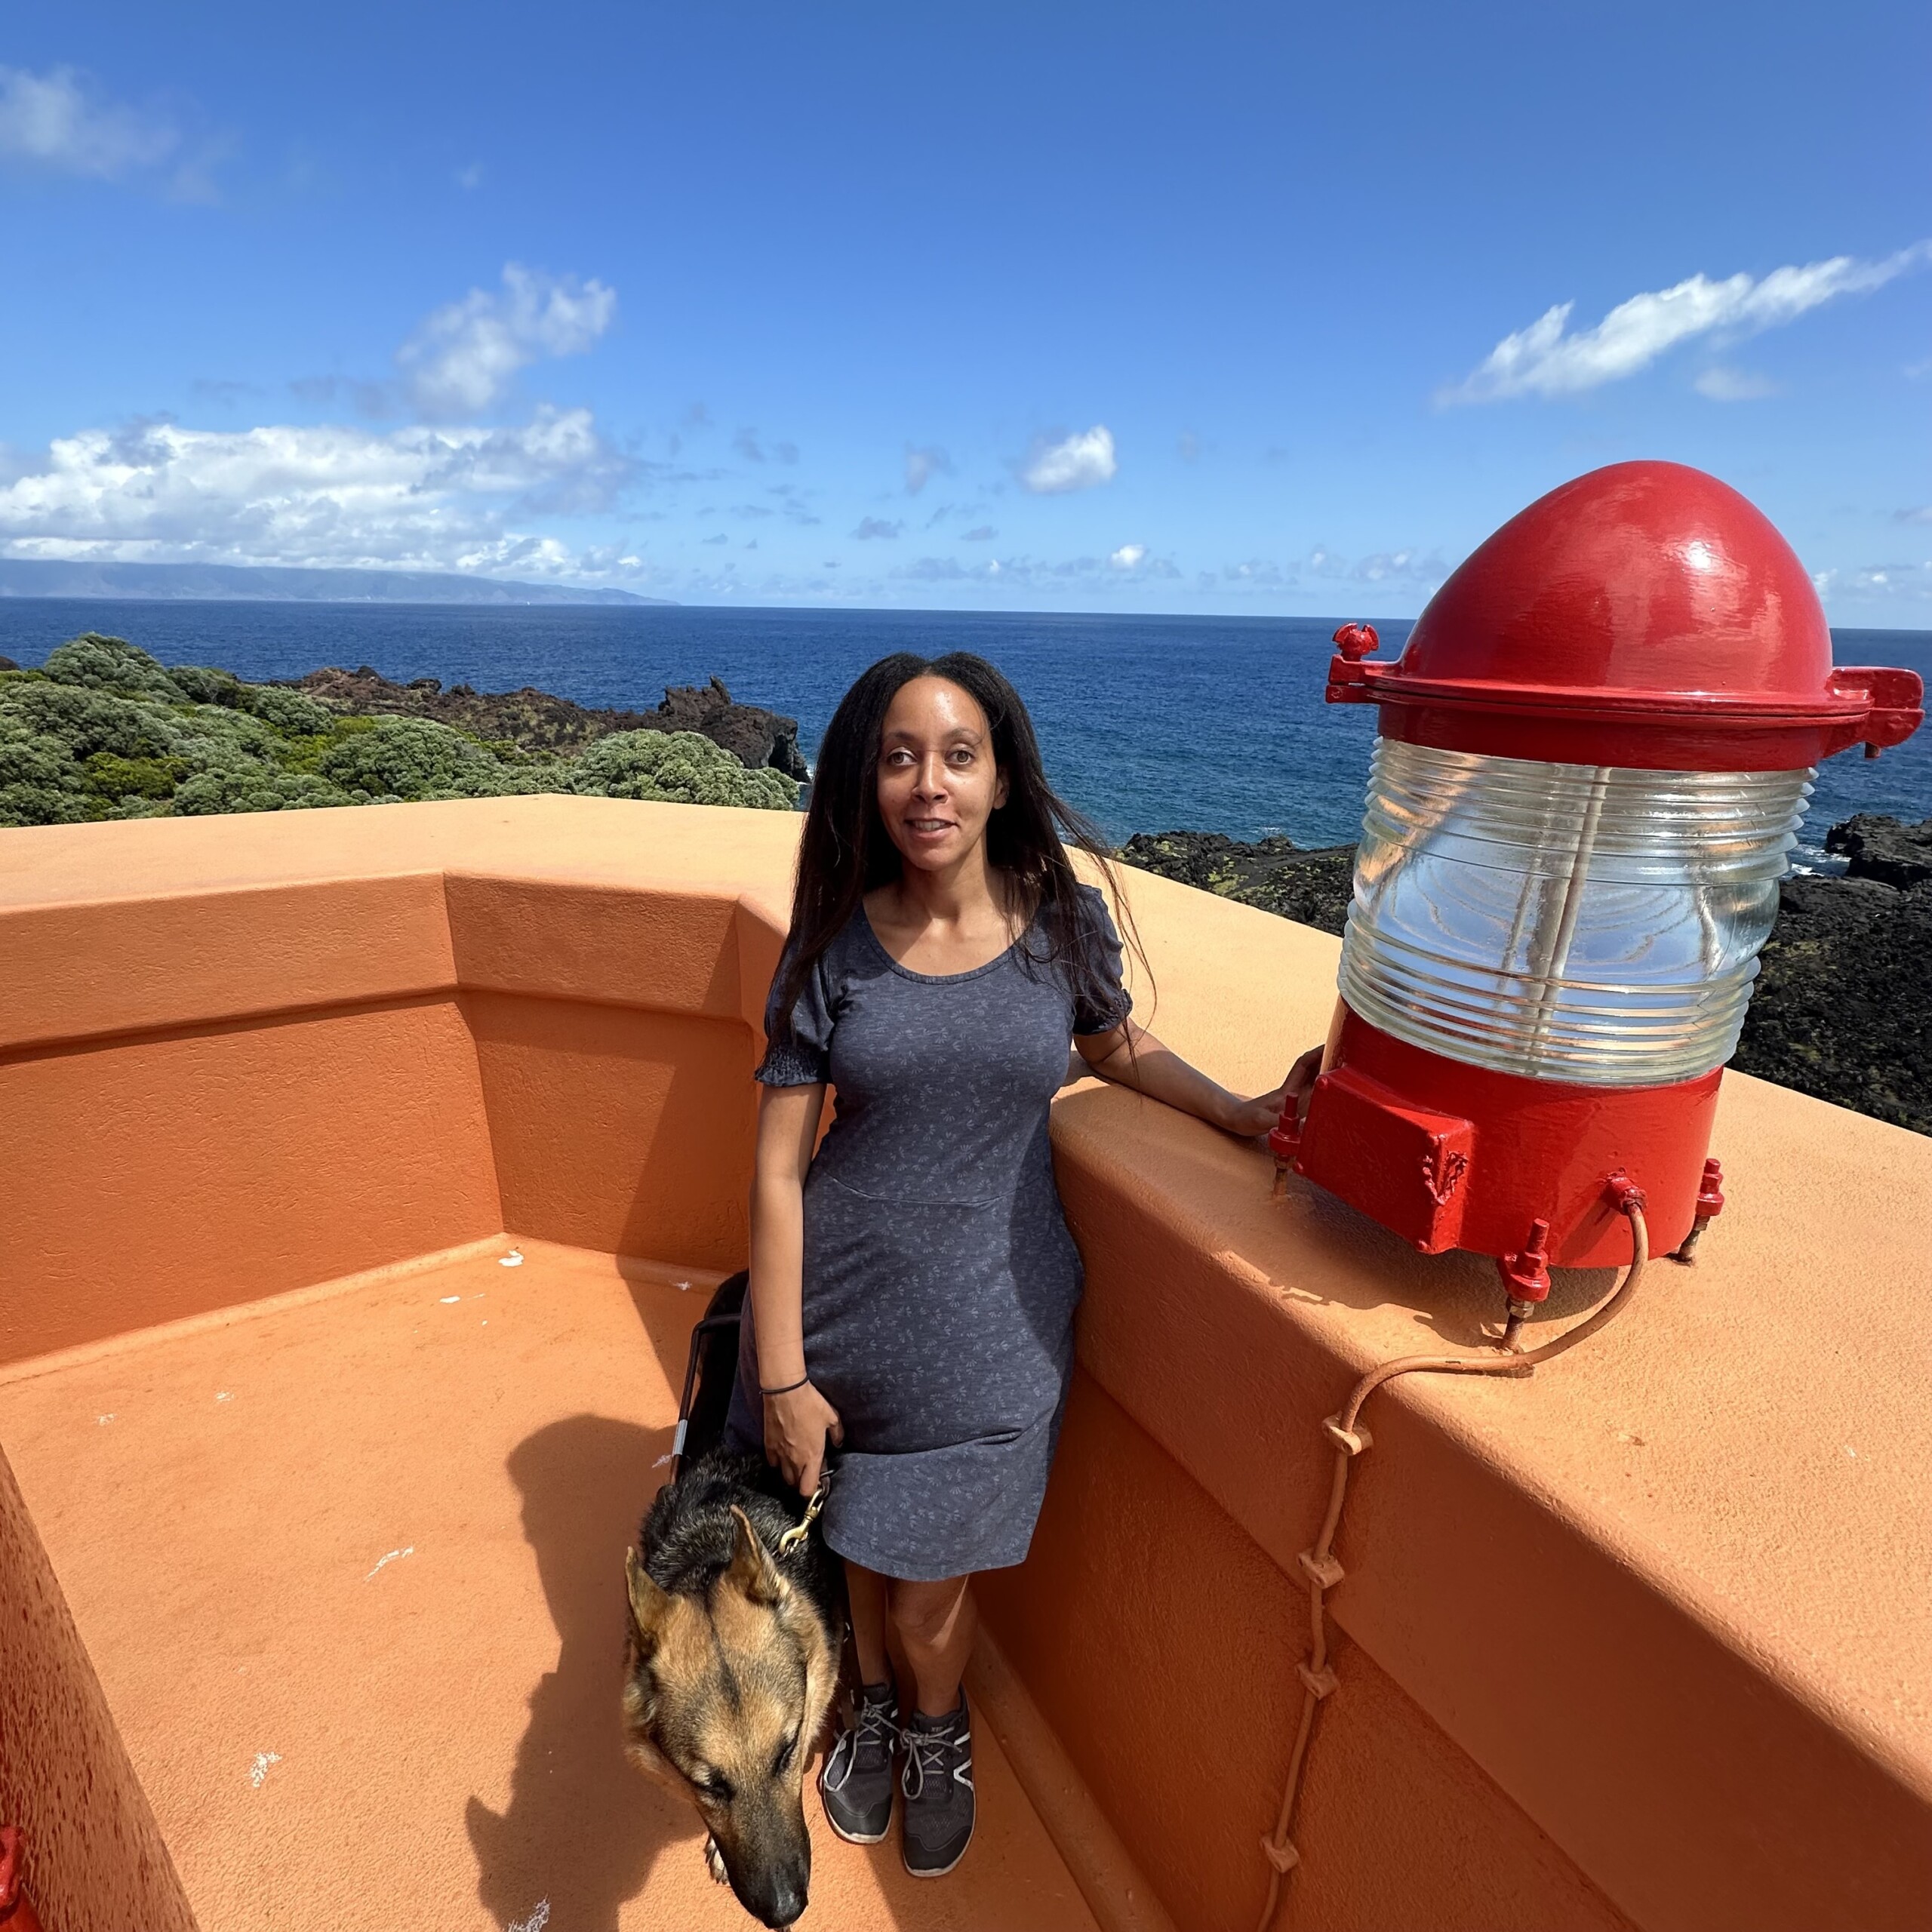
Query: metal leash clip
(799, 1530)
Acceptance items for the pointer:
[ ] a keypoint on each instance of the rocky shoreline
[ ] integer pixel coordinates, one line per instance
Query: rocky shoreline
(1843, 1006)
(534, 720)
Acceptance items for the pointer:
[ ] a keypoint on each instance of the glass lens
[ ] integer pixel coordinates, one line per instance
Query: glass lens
(1569, 922)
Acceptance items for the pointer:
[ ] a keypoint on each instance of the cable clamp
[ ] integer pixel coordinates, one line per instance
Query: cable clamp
(1319, 1684)
(1350, 1441)
(1324, 1573)
(1283, 1857)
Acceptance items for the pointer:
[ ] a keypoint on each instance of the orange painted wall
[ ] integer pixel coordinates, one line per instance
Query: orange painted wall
(1587, 1626)
(151, 1178)
(615, 1129)
(1160, 1643)
(95, 1861)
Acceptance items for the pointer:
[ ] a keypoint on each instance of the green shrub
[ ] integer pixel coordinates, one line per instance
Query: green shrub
(122, 778)
(110, 664)
(203, 685)
(104, 731)
(414, 758)
(676, 768)
(294, 712)
(253, 789)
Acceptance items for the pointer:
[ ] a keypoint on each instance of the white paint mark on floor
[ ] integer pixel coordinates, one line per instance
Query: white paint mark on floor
(447, 1299)
(537, 1921)
(101, 1422)
(514, 1259)
(224, 1395)
(259, 1770)
(685, 1285)
(394, 1556)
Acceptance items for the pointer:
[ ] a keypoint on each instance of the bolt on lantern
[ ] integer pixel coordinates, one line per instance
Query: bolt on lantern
(1594, 758)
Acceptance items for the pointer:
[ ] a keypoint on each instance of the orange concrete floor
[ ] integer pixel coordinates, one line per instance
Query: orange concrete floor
(350, 1563)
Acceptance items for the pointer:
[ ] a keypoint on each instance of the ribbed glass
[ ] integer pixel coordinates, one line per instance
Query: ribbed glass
(1569, 922)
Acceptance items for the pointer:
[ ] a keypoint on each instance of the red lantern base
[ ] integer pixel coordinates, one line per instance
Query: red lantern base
(1450, 1156)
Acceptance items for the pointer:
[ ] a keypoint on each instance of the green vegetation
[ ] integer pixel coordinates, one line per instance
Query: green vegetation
(103, 730)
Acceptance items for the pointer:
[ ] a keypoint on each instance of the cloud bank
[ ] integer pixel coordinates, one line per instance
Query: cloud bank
(418, 498)
(462, 358)
(1549, 359)
(1056, 465)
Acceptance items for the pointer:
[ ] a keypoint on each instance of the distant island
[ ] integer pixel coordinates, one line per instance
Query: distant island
(237, 584)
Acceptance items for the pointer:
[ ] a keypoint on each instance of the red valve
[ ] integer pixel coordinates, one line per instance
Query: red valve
(1526, 1273)
(16, 1912)
(1285, 1137)
(1356, 641)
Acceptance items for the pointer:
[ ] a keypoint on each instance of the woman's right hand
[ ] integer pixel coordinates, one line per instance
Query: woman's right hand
(796, 1425)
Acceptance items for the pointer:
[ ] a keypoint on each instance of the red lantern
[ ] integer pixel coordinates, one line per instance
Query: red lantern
(1594, 755)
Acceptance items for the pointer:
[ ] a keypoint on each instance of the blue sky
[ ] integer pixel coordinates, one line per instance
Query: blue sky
(1065, 306)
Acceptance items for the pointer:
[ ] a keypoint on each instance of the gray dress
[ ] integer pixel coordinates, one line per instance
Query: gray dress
(939, 1279)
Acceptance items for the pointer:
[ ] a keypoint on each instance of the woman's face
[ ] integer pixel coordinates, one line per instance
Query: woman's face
(937, 782)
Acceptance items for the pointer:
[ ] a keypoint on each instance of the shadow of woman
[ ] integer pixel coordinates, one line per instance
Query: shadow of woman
(583, 1828)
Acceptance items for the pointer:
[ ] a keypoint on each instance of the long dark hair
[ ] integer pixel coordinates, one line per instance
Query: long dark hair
(846, 852)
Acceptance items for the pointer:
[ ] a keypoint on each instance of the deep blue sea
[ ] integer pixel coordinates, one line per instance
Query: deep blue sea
(1148, 724)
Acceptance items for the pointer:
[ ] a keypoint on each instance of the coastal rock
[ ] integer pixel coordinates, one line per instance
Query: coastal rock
(535, 720)
(1843, 1006)
(7, 664)
(1883, 849)
(1313, 887)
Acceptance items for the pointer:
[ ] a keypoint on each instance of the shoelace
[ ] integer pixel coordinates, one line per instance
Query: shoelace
(874, 1725)
(925, 1757)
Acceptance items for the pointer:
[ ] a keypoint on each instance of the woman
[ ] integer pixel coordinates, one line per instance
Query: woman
(913, 1286)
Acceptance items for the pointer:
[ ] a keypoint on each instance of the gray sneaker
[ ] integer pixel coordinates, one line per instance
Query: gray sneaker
(936, 1778)
(856, 1782)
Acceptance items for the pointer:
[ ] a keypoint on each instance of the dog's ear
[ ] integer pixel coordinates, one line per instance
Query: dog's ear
(753, 1572)
(649, 1605)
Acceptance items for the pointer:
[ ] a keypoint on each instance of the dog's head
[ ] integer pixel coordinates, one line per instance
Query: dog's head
(723, 1699)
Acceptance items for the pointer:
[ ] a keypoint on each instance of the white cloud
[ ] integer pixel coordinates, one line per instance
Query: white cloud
(1723, 385)
(58, 121)
(462, 359)
(1079, 462)
(870, 527)
(1127, 556)
(923, 465)
(50, 119)
(1546, 359)
(416, 498)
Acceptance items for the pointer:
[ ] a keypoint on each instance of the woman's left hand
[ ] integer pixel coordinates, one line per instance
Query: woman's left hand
(1259, 1115)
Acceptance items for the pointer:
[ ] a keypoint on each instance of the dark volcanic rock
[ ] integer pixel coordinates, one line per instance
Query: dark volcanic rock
(1313, 887)
(1883, 849)
(537, 721)
(7, 664)
(1843, 1007)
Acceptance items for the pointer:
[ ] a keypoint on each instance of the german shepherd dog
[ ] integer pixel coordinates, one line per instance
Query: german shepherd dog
(734, 1650)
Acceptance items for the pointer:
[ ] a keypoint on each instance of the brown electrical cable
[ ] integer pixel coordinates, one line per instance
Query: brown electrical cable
(1318, 1564)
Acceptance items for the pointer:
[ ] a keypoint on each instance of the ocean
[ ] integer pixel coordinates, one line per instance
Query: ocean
(1147, 724)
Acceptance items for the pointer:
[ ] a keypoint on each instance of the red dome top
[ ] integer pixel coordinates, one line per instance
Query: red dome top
(1644, 615)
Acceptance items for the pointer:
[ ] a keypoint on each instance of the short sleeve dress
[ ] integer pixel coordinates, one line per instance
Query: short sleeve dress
(940, 1280)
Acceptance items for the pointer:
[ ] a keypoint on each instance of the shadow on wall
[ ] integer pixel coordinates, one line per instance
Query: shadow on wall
(583, 1828)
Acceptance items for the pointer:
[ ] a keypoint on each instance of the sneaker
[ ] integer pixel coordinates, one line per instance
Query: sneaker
(856, 1782)
(936, 1778)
